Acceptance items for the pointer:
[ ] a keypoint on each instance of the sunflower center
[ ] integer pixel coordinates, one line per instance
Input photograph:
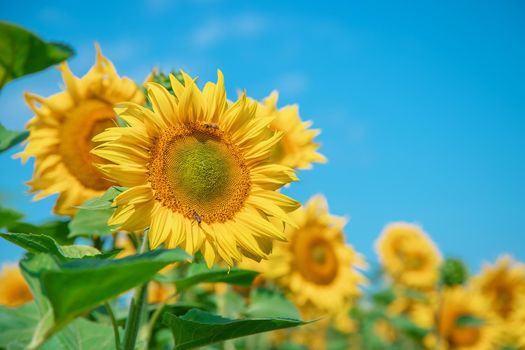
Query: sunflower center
(315, 257)
(78, 128)
(202, 169)
(199, 173)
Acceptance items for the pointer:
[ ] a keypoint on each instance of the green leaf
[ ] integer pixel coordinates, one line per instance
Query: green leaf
(22, 53)
(201, 274)
(9, 216)
(18, 324)
(58, 230)
(267, 303)
(10, 138)
(45, 244)
(90, 223)
(92, 216)
(384, 297)
(105, 201)
(80, 285)
(408, 327)
(469, 321)
(199, 328)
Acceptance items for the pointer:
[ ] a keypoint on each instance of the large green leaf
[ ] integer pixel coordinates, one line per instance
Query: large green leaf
(22, 53)
(199, 328)
(18, 324)
(200, 273)
(80, 285)
(10, 138)
(45, 244)
(56, 229)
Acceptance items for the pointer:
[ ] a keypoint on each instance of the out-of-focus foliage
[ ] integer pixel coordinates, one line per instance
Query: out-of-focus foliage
(23, 53)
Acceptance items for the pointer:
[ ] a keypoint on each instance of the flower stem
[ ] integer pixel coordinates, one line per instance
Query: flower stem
(114, 324)
(136, 308)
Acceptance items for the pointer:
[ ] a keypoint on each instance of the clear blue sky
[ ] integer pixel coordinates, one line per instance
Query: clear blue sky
(421, 103)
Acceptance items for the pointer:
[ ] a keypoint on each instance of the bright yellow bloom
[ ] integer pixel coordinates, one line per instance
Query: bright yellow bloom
(297, 148)
(62, 129)
(502, 284)
(316, 267)
(446, 315)
(14, 290)
(198, 172)
(408, 256)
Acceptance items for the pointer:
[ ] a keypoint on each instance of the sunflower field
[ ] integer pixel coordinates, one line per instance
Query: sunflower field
(172, 230)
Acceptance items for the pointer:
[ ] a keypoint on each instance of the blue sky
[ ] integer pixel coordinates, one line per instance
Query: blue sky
(421, 103)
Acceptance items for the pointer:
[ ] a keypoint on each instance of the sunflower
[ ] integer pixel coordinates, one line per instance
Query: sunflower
(297, 148)
(502, 284)
(61, 133)
(316, 267)
(408, 256)
(450, 309)
(511, 333)
(198, 172)
(14, 290)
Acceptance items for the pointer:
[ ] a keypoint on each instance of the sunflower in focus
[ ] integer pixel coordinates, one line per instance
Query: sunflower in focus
(451, 314)
(60, 134)
(408, 256)
(198, 173)
(14, 290)
(297, 148)
(503, 284)
(316, 266)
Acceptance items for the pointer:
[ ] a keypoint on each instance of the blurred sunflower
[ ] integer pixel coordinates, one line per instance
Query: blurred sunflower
(511, 333)
(316, 266)
(297, 148)
(60, 134)
(408, 256)
(502, 284)
(198, 172)
(463, 320)
(14, 290)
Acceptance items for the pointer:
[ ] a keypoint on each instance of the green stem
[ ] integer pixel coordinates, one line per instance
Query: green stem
(136, 308)
(114, 324)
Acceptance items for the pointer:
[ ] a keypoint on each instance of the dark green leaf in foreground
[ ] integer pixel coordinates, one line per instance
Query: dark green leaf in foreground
(45, 244)
(10, 138)
(58, 230)
(83, 284)
(22, 53)
(199, 328)
(18, 324)
(202, 274)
